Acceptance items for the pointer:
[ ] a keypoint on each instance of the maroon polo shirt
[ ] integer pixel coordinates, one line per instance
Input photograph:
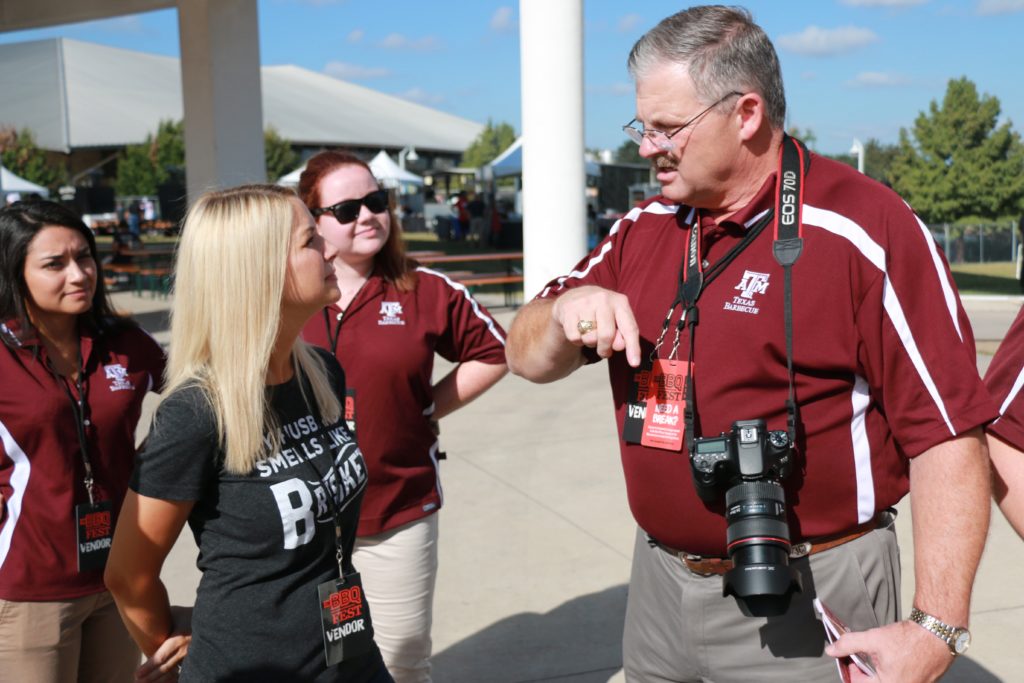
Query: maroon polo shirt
(41, 468)
(883, 351)
(1004, 378)
(386, 345)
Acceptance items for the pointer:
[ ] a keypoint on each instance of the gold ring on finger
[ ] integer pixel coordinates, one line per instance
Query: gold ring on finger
(585, 326)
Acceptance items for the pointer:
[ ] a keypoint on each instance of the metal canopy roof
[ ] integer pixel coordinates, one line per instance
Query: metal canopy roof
(74, 94)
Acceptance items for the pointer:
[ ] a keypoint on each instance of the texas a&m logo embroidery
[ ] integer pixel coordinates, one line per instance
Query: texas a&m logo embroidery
(390, 313)
(118, 376)
(751, 284)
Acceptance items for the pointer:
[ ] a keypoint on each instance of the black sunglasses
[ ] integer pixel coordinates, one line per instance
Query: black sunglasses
(348, 210)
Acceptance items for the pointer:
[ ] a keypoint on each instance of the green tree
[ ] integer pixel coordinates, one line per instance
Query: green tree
(957, 162)
(167, 151)
(280, 156)
(492, 141)
(161, 158)
(804, 135)
(629, 153)
(20, 154)
(878, 158)
(136, 174)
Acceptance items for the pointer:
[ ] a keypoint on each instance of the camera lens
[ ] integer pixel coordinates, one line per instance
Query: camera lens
(758, 541)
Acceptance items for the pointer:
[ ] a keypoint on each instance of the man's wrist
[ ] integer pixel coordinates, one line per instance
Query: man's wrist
(956, 638)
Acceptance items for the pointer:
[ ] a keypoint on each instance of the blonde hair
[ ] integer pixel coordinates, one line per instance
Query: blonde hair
(229, 278)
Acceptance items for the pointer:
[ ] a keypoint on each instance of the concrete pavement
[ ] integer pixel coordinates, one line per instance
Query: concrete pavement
(537, 537)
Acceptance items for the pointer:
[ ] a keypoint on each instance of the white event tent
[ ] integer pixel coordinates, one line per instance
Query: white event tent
(9, 183)
(385, 170)
(79, 95)
(510, 162)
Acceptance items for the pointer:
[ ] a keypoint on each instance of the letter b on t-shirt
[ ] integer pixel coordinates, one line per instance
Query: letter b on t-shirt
(295, 503)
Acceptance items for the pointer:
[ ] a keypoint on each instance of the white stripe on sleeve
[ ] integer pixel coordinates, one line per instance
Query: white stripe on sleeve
(940, 272)
(842, 226)
(491, 327)
(634, 213)
(18, 483)
(1014, 390)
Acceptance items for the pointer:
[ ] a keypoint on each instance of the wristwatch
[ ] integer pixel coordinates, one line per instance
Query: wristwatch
(957, 638)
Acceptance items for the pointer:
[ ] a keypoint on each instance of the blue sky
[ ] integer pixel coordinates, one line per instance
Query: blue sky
(852, 68)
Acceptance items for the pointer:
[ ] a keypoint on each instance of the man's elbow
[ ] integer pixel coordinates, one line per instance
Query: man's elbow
(537, 369)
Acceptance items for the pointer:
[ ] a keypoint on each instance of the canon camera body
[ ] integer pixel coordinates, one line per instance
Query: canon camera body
(747, 466)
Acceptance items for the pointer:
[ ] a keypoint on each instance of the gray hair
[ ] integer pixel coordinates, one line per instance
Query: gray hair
(722, 49)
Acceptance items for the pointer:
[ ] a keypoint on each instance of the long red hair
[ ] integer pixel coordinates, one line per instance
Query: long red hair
(390, 262)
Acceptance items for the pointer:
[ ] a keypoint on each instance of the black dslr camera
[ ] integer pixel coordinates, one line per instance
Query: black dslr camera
(748, 463)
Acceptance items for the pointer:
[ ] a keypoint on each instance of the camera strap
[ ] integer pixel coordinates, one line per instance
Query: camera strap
(794, 163)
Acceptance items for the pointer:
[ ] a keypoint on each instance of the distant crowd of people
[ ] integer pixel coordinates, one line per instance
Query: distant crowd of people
(788, 359)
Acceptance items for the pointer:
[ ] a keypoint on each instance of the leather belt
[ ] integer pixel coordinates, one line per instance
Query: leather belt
(716, 566)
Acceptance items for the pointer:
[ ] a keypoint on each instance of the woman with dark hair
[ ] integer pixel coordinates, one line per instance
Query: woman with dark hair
(72, 379)
(390, 320)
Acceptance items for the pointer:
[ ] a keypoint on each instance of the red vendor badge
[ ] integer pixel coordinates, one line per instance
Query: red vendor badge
(345, 619)
(663, 421)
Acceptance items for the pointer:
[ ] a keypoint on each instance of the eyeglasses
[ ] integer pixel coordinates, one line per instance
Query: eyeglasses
(660, 139)
(348, 210)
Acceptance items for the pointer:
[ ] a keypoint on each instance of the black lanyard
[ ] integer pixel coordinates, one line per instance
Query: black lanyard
(80, 410)
(793, 166)
(332, 337)
(342, 554)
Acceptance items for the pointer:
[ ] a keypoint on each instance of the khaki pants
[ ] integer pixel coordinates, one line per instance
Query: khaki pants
(81, 640)
(399, 570)
(680, 629)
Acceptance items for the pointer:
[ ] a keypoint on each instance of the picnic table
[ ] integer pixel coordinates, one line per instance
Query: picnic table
(149, 271)
(473, 279)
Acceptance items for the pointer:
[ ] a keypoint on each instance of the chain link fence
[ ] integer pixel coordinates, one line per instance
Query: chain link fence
(982, 243)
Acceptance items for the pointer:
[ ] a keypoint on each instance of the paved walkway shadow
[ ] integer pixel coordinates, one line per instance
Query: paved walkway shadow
(580, 641)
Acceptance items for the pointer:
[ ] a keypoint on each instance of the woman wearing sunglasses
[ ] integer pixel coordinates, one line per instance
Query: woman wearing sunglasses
(390, 320)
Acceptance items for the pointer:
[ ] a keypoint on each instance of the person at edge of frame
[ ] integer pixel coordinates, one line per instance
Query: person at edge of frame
(884, 378)
(73, 377)
(1004, 379)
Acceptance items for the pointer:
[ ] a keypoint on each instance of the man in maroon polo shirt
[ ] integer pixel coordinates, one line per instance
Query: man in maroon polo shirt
(886, 395)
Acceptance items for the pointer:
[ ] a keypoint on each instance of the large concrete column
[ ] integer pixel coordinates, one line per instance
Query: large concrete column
(220, 84)
(554, 210)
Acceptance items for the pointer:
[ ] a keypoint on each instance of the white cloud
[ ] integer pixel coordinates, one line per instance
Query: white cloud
(809, 75)
(612, 89)
(502, 20)
(627, 23)
(877, 79)
(397, 41)
(356, 35)
(421, 96)
(354, 72)
(814, 40)
(883, 3)
(990, 7)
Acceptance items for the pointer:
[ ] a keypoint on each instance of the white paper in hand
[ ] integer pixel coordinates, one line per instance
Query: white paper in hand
(834, 628)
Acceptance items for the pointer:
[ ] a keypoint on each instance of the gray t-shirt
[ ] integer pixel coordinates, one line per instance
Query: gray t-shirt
(266, 539)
